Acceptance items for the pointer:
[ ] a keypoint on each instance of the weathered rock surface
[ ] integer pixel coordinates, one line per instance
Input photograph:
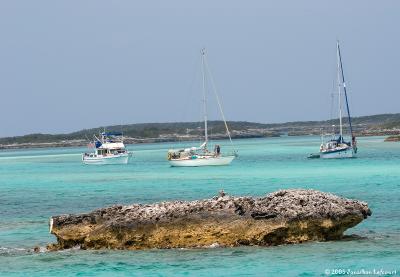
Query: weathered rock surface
(282, 217)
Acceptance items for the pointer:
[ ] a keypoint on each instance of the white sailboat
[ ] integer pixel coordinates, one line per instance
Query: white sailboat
(336, 146)
(109, 149)
(202, 156)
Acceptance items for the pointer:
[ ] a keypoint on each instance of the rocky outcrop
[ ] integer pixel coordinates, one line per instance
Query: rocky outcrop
(282, 217)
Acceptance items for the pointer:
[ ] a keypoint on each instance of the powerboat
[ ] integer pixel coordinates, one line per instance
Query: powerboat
(108, 149)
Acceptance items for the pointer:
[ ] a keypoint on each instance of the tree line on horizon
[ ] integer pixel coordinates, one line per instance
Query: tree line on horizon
(154, 130)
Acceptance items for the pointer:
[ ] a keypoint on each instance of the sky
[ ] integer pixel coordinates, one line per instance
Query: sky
(69, 65)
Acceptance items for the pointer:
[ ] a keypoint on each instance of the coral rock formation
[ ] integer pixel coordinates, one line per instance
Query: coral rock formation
(282, 217)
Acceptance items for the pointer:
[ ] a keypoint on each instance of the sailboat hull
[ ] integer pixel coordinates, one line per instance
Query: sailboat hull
(338, 154)
(203, 161)
(116, 159)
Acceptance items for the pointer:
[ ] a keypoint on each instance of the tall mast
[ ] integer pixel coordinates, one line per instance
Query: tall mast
(344, 89)
(340, 94)
(203, 53)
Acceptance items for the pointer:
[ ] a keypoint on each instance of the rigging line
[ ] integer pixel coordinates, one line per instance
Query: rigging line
(331, 113)
(219, 102)
(344, 88)
(203, 56)
(333, 103)
(197, 124)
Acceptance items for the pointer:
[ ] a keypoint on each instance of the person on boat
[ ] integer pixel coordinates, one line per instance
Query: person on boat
(217, 150)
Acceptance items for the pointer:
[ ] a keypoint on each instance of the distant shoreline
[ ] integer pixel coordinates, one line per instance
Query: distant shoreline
(374, 125)
(127, 141)
(392, 138)
(135, 141)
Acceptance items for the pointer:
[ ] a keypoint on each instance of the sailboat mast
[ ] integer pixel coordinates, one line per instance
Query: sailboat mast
(340, 95)
(344, 88)
(203, 53)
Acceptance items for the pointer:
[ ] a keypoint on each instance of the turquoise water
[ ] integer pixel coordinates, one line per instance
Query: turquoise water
(38, 183)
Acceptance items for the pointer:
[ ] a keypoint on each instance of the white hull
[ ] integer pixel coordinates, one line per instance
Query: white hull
(204, 161)
(345, 153)
(115, 159)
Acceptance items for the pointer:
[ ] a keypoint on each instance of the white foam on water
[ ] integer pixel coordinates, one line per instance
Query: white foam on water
(11, 250)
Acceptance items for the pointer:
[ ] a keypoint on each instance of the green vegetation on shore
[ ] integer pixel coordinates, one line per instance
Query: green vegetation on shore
(393, 138)
(141, 131)
(382, 124)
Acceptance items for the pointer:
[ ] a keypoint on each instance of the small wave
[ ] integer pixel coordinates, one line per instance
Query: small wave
(214, 245)
(211, 246)
(13, 250)
(5, 251)
(76, 247)
(38, 156)
(40, 249)
(353, 237)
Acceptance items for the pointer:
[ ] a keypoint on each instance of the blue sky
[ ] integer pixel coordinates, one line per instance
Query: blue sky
(68, 65)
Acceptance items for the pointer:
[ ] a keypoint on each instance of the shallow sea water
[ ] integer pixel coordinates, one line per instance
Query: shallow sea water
(38, 183)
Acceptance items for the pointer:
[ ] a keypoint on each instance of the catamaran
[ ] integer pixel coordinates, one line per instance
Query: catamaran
(108, 149)
(336, 146)
(202, 156)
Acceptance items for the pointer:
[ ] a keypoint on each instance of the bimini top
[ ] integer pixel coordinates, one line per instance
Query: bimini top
(110, 140)
(112, 145)
(111, 134)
